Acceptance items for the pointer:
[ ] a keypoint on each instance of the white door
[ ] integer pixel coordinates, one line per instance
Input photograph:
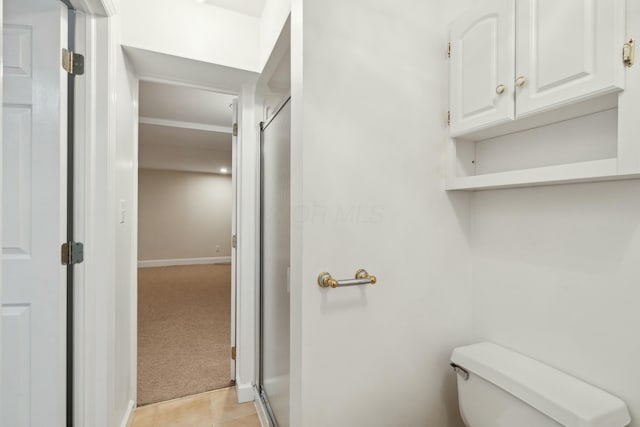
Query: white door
(567, 50)
(234, 230)
(34, 214)
(482, 67)
(275, 257)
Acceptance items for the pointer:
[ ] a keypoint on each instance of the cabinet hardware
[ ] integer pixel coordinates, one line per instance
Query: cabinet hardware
(521, 81)
(629, 53)
(500, 89)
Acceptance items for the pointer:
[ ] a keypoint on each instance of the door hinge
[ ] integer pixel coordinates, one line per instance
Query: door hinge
(629, 53)
(233, 353)
(234, 241)
(72, 62)
(448, 118)
(235, 129)
(449, 51)
(72, 253)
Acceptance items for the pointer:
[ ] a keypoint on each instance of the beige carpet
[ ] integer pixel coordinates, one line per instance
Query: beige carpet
(183, 331)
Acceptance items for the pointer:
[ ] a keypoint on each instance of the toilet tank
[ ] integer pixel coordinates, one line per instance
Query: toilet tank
(498, 387)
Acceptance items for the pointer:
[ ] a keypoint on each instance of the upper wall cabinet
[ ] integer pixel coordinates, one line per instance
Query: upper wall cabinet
(482, 57)
(543, 92)
(511, 59)
(567, 51)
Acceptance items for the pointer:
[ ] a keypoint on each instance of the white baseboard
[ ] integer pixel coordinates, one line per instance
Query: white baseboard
(245, 393)
(183, 261)
(260, 409)
(128, 415)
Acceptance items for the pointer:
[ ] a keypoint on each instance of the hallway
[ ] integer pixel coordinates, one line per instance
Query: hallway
(183, 331)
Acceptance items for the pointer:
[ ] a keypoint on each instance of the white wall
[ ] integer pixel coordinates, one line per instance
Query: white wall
(126, 163)
(192, 30)
(556, 277)
(274, 15)
(183, 215)
(369, 108)
(170, 157)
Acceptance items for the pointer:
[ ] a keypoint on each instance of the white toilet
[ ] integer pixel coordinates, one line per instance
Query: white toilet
(501, 388)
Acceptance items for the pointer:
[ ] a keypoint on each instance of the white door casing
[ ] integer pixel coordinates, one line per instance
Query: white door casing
(234, 229)
(567, 51)
(34, 214)
(482, 64)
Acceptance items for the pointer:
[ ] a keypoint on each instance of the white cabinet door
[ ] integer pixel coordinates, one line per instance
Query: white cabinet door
(482, 67)
(567, 51)
(33, 309)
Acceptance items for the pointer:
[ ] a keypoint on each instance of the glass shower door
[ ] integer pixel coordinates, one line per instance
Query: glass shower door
(274, 284)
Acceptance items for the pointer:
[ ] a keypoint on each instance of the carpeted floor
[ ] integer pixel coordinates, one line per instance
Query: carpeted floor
(183, 331)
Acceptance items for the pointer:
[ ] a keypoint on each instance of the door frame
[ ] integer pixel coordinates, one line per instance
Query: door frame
(94, 162)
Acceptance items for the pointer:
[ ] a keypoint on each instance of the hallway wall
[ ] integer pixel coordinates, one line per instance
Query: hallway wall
(369, 114)
(183, 215)
(126, 163)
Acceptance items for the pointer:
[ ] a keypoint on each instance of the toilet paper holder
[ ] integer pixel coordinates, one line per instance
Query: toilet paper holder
(362, 278)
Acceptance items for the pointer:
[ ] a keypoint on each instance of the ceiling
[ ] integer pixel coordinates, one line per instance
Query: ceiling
(185, 104)
(183, 128)
(247, 7)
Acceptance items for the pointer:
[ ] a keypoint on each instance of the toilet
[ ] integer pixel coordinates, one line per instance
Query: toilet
(498, 387)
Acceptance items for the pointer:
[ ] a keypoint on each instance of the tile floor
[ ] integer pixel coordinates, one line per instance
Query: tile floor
(211, 409)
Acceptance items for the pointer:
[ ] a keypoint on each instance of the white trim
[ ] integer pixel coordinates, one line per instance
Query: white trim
(261, 409)
(245, 393)
(95, 7)
(154, 79)
(184, 125)
(128, 415)
(183, 261)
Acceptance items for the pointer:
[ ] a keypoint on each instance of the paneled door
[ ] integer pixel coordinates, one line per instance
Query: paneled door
(33, 214)
(275, 259)
(567, 50)
(482, 67)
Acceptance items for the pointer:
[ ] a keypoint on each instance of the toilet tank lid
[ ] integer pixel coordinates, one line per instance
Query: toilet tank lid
(567, 400)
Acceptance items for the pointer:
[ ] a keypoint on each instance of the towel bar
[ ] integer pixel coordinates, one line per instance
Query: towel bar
(362, 278)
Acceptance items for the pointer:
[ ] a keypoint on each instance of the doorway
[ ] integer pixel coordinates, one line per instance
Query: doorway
(186, 200)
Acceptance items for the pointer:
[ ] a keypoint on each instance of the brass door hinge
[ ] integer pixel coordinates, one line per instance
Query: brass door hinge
(449, 50)
(72, 253)
(448, 118)
(72, 62)
(235, 129)
(629, 53)
(233, 353)
(234, 241)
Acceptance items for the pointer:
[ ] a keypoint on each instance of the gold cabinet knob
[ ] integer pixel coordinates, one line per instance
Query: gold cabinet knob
(521, 81)
(500, 89)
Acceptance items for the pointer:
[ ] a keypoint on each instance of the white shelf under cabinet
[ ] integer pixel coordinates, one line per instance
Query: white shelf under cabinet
(571, 173)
